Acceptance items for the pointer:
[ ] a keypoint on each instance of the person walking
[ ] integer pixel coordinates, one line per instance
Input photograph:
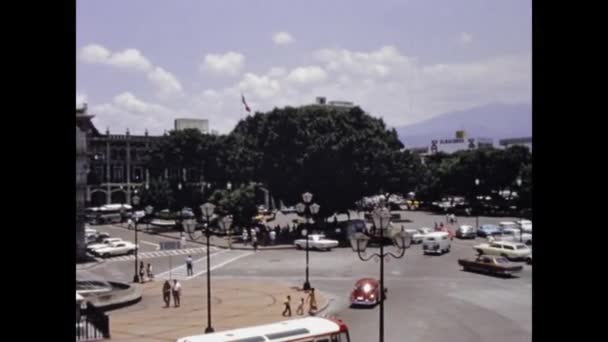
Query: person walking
(141, 272)
(182, 240)
(300, 309)
(177, 292)
(273, 237)
(245, 237)
(167, 293)
(189, 271)
(254, 241)
(287, 310)
(312, 300)
(149, 272)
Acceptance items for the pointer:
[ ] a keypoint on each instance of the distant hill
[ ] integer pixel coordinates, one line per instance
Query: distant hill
(496, 121)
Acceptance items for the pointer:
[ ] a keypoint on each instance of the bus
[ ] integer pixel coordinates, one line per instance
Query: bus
(109, 213)
(310, 329)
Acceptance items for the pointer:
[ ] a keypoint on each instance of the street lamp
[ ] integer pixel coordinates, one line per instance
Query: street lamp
(521, 226)
(477, 201)
(136, 279)
(207, 210)
(307, 209)
(359, 241)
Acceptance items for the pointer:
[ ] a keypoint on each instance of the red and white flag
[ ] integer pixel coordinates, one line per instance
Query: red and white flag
(245, 103)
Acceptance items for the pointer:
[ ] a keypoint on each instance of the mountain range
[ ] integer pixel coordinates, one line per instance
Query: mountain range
(496, 121)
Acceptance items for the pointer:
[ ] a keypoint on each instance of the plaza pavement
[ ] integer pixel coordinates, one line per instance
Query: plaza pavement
(234, 304)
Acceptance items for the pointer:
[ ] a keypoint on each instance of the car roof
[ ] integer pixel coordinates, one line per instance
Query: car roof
(366, 280)
(436, 234)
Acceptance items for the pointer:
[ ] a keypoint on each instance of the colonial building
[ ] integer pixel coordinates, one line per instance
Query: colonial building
(82, 121)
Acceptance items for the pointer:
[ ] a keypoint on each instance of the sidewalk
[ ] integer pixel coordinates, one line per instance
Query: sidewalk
(234, 304)
(222, 242)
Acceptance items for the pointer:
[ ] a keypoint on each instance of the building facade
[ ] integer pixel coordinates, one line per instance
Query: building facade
(450, 145)
(200, 124)
(82, 121)
(526, 142)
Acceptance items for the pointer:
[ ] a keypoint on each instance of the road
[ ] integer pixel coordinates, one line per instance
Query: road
(429, 297)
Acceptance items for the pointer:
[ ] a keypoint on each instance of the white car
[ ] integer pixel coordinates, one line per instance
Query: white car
(436, 242)
(105, 243)
(507, 249)
(418, 234)
(526, 226)
(513, 234)
(117, 248)
(316, 241)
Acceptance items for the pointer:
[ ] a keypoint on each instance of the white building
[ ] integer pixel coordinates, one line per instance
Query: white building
(201, 124)
(450, 145)
(526, 142)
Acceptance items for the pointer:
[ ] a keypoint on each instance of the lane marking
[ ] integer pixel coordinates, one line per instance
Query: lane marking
(222, 264)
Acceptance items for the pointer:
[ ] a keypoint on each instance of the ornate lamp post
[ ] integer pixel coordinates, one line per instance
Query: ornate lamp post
(359, 241)
(136, 279)
(307, 210)
(207, 210)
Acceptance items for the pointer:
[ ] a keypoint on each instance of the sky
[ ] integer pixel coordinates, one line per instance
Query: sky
(143, 63)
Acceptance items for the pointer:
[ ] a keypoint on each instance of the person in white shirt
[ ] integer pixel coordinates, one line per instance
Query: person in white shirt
(189, 265)
(273, 236)
(245, 236)
(177, 292)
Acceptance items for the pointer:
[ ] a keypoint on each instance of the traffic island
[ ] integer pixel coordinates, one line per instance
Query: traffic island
(235, 303)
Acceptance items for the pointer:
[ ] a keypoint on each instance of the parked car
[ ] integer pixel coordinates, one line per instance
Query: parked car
(366, 292)
(529, 259)
(513, 234)
(486, 230)
(316, 241)
(436, 242)
(490, 264)
(104, 243)
(526, 226)
(507, 249)
(466, 232)
(507, 224)
(117, 248)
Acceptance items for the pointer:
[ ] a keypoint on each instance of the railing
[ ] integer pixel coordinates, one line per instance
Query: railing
(93, 326)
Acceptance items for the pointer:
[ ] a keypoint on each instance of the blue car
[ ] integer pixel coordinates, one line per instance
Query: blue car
(486, 230)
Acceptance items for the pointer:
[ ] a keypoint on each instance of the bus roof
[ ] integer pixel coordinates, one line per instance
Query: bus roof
(275, 332)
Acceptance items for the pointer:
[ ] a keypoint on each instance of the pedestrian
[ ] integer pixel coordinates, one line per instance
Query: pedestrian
(273, 236)
(245, 237)
(167, 293)
(177, 292)
(182, 240)
(130, 224)
(141, 272)
(254, 241)
(149, 272)
(287, 310)
(312, 302)
(300, 309)
(189, 265)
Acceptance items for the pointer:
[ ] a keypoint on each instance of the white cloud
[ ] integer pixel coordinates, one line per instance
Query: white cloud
(306, 75)
(262, 86)
(132, 60)
(94, 54)
(127, 111)
(80, 99)
(165, 81)
(465, 38)
(375, 63)
(282, 38)
(129, 59)
(276, 72)
(229, 63)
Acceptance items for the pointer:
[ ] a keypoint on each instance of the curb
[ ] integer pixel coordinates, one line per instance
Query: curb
(329, 300)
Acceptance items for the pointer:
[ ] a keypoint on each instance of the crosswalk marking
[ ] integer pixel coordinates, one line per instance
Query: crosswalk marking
(180, 272)
(175, 252)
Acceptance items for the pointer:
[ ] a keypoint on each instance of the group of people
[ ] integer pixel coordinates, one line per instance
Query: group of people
(147, 272)
(267, 236)
(311, 299)
(172, 290)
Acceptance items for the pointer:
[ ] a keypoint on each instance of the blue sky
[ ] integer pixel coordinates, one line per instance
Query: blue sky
(141, 63)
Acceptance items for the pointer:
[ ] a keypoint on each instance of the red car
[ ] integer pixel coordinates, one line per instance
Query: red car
(366, 292)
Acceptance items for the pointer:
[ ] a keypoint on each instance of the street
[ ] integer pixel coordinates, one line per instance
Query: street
(429, 297)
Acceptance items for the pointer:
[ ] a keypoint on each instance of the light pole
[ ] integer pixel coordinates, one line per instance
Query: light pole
(359, 241)
(135, 273)
(477, 202)
(207, 210)
(307, 209)
(521, 226)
